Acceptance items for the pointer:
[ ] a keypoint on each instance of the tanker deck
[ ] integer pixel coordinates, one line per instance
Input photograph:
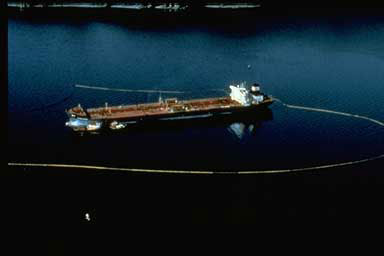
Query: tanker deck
(115, 117)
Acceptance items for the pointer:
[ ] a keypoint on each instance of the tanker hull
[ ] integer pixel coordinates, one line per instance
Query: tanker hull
(119, 117)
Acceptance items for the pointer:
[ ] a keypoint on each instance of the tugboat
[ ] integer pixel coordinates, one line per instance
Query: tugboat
(83, 124)
(240, 100)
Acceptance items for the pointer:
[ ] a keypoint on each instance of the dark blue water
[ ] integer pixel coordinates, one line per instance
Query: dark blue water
(332, 63)
(327, 61)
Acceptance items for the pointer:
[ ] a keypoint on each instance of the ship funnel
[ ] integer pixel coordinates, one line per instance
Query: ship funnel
(255, 87)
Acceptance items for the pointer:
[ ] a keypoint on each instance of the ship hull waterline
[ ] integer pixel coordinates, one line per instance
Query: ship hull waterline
(232, 112)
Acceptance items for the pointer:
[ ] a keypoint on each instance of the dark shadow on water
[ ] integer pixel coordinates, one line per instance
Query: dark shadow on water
(181, 145)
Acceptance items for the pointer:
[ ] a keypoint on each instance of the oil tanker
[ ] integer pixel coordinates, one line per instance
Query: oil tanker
(240, 100)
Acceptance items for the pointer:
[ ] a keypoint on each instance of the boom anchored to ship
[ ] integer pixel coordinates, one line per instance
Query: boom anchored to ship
(240, 100)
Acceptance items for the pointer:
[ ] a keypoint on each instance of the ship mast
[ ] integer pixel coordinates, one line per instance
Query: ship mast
(160, 98)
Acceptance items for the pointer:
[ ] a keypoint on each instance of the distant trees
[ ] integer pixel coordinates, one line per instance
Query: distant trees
(188, 2)
(191, 3)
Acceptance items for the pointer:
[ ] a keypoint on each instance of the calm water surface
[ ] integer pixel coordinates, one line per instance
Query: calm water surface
(332, 63)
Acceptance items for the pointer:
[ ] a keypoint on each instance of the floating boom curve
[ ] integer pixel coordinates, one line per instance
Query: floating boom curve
(124, 90)
(272, 171)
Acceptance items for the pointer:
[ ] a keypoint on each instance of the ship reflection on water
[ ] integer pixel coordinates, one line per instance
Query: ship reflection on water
(238, 129)
(249, 125)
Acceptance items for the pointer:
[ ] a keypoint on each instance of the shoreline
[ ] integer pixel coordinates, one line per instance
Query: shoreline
(134, 6)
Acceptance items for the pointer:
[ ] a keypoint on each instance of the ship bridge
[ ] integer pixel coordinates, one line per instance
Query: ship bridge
(246, 98)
